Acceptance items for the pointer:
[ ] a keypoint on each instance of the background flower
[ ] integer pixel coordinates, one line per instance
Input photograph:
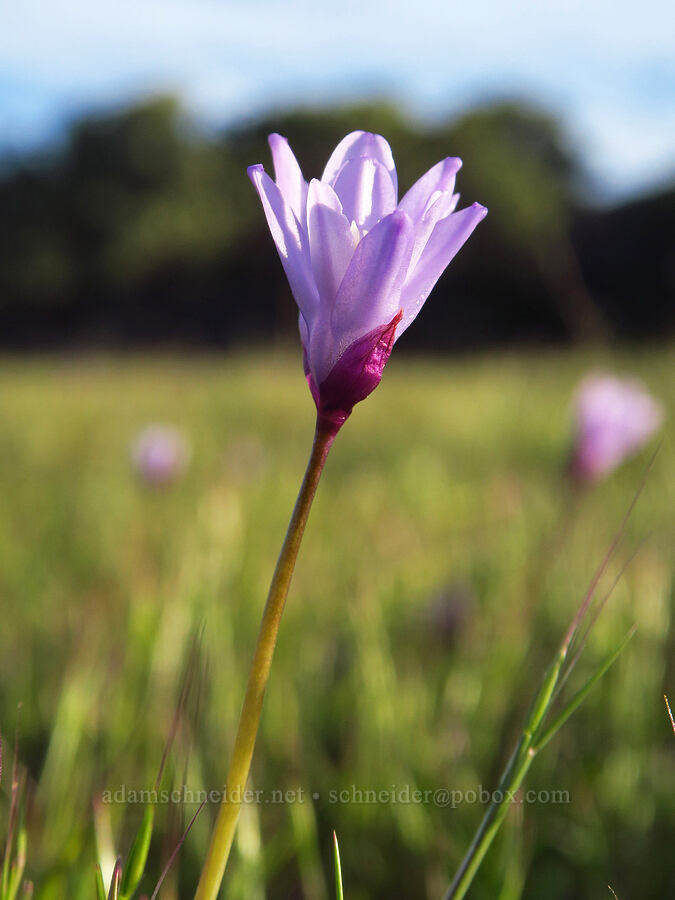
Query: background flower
(614, 418)
(160, 454)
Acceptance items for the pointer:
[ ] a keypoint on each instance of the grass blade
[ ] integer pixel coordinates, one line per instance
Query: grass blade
(175, 851)
(670, 712)
(114, 892)
(100, 886)
(580, 696)
(138, 854)
(338, 869)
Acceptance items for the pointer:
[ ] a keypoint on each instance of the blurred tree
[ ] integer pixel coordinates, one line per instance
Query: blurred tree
(520, 161)
(141, 228)
(146, 192)
(35, 254)
(628, 257)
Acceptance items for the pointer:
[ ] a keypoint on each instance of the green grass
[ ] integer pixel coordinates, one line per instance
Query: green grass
(443, 499)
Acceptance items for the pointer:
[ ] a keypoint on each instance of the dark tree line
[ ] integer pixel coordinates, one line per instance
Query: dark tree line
(140, 230)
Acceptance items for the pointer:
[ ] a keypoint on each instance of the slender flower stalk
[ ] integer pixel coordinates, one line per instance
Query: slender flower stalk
(226, 823)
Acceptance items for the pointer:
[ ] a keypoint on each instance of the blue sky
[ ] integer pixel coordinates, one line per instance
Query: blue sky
(608, 68)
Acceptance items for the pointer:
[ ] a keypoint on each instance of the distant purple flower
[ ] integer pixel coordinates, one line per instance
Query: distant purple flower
(359, 262)
(160, 454)
(614, 418)
(448, 613)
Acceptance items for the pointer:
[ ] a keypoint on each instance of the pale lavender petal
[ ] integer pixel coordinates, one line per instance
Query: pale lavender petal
(450, 202)
(446, 240)
(370, 291)
(440, 205)
(331, 241)
(288, 175)
(290, 239)
(355, 375)
(440, 177)
(303, 328)
(365, 191)
(615, 417)
(356, 144)
(322, 353)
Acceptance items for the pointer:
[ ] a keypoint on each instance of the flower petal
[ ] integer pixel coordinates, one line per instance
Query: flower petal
(446, 239)
(440, 205)
(366, 191)
(331, 241)
(440, 177)
(370, 291)
(303, 328)
(291, 241)
(288, 175)
(356, 144)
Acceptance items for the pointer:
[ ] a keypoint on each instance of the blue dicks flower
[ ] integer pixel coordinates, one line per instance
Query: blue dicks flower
(360, 263)
(160, 454)
(614, 418)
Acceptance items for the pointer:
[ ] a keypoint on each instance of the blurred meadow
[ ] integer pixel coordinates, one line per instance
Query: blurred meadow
(444, 558)
(155, 425)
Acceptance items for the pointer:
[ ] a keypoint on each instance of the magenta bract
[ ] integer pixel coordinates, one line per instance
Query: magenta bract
(360, 263)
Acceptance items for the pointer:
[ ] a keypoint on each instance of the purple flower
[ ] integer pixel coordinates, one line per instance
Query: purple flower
(614, 418)
(159, 454)
(360, 262)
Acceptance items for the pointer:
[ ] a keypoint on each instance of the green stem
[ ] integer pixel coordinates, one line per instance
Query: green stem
(534, 738)
(226, 823)
(492, 820)
(512, 778)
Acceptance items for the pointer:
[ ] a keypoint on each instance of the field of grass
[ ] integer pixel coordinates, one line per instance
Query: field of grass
(444, 558)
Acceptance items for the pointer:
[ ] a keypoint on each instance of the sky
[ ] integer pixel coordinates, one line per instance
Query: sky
(607, 68)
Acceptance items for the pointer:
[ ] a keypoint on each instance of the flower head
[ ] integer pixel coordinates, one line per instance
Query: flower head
(159, 454)
(360, 263)
(614, 418)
